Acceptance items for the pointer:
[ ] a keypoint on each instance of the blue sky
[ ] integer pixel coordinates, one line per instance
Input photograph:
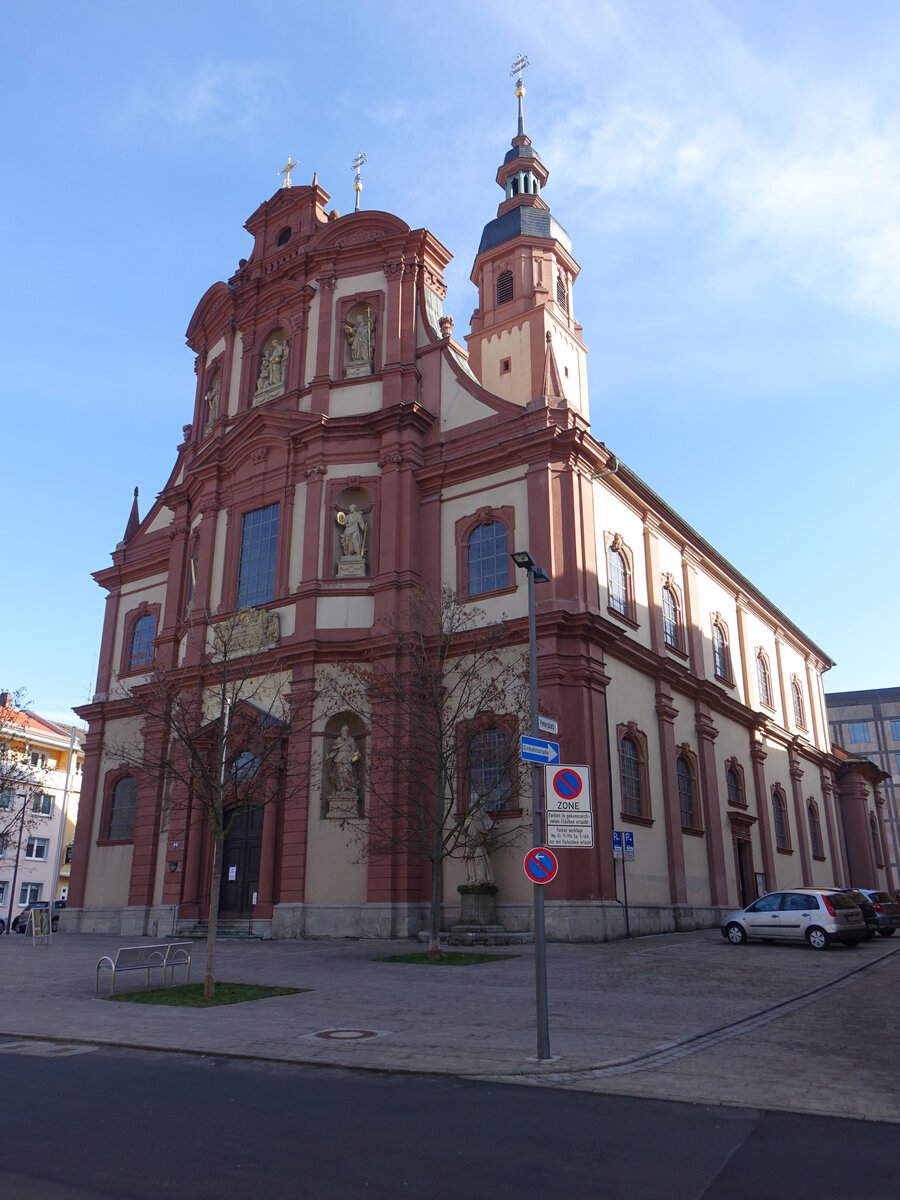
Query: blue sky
(729, 174)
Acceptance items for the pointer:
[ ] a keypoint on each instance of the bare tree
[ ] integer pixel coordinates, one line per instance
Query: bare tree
(444, 692)
(21, 775)
(215, 733)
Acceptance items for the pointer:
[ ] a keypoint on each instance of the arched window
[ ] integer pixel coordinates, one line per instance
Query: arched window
(562, 298)
(631, 778)
(876, 841)
(779, 817)
(815, 831)
(505, 290)
(142, 635)
(670, 617)
(797, 695)
(721, 657)
(120, 819)
(488, 558)
(762, 675)
(735, 791)
(490, 776)
(686, 793)
(618, 581)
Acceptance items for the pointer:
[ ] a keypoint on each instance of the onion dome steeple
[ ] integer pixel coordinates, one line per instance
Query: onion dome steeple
(524, 273)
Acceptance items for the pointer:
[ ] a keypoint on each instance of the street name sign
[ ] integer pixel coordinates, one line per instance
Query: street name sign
(570, 821)
(548, 725)
(538, 750)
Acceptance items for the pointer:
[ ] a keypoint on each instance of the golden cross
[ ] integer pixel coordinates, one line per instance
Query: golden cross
(519, 65)
(286, 171)
(356, 166)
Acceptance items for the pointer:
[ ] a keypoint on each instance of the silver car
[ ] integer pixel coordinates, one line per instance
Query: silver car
(819, 917)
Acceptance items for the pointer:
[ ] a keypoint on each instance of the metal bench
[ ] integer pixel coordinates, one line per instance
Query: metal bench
(167, 956)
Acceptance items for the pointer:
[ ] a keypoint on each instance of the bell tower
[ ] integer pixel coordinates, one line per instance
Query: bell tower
(523, 332)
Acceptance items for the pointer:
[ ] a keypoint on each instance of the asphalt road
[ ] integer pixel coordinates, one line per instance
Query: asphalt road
(102, 1123)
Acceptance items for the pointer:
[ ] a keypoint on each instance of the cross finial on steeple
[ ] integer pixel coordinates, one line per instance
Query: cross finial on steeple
(356, 166)
(517, 68)
(286, 171)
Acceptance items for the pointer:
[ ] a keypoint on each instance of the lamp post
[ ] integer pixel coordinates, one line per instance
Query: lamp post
(536, 574)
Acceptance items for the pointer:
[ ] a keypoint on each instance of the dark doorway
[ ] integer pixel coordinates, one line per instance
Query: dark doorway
(240, 865)
(746, 879)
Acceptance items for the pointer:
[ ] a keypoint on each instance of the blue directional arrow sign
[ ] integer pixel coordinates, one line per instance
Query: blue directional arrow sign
(537, 750)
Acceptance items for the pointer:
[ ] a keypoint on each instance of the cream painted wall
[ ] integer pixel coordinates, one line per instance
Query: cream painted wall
(458, 407)
(162, 520)
(362, 397)
(332, 872)
(515, 344)
(213, 354)
(234, 389)
(130, 600)
(298, 526)
(713, 598)
(631, 697)
(215, 587)
(345, 612)
(309, 367)
(569, 358)
(109, 873)
(611, 516)
(503, 490)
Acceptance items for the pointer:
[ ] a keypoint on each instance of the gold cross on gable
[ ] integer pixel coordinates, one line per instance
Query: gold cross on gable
(519, 65)
(286, 171)
(356, 166)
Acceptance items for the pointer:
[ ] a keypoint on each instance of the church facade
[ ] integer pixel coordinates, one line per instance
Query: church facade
(345, 448)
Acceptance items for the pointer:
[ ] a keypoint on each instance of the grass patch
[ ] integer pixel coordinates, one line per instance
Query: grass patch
(448, 960)
(190, 995)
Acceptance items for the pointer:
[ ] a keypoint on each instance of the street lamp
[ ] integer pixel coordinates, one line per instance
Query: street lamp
(536, 574)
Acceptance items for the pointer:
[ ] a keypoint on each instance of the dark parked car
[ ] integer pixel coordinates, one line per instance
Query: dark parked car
(20, 921)
(868, 909)
(887, 910)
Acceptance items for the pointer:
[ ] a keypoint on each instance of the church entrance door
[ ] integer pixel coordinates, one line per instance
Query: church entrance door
(240, 865)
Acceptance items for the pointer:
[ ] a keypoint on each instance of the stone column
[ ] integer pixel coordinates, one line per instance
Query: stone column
(265, 896)
(692, 615)
(801, 818)
(87, 806)
(651, 562)
(295, 818)
(758, 759)
(712, 812)
(193, 856)
(147, 809)
(666, 713)
(854, 797)
(885, 848)
(835, 843)
(321, 382)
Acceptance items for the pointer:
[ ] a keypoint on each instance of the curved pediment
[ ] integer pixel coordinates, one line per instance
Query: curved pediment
(358, 229)
(209, 314)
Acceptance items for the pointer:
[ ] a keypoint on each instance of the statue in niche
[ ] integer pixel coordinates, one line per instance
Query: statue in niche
(211, 400)
(479, 838)
(359, 332)
(272, 369)
(353, 542)
(343, 775)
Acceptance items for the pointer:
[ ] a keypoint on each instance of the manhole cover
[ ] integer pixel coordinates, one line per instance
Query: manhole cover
(346, 1035)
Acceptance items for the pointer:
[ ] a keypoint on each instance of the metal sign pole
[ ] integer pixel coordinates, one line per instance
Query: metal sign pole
(625, 894)
(537, 835)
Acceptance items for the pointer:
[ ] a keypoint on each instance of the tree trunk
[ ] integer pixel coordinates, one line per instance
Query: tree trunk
(434, 931)
(209, 984)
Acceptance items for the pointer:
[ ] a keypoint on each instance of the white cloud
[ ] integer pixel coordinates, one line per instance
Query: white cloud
(819, 190)
(226, 92)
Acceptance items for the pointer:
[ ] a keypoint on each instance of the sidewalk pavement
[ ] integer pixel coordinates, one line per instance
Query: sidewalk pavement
(679, 1016)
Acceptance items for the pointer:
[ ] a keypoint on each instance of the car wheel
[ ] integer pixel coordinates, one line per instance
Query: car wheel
(54, 924)
(735, 934)
(883, 932)
(818, 938)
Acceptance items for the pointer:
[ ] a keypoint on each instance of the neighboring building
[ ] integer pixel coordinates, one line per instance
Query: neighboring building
(867, 725)
(327, 378)
(41, 765)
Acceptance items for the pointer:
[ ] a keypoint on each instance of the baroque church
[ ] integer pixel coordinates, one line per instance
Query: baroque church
(345, 447)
